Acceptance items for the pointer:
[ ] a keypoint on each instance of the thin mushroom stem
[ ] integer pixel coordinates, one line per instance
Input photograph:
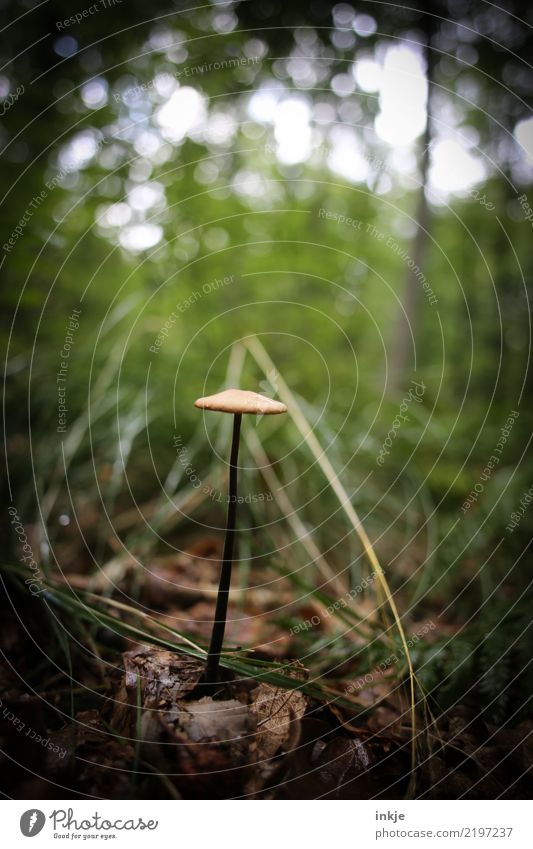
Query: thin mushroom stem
(237, 402)
(219, 625)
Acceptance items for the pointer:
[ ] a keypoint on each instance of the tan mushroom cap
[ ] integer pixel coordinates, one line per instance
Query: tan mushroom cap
(241, 401)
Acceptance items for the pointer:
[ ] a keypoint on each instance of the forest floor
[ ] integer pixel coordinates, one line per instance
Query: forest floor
(93, 711)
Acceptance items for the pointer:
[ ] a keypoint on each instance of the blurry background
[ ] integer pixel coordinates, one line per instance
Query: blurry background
(351, 183)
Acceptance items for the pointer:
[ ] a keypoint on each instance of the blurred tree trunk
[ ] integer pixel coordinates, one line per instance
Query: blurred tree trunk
(406, 324)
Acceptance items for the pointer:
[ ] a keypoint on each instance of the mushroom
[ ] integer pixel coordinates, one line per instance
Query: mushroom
(236, 401)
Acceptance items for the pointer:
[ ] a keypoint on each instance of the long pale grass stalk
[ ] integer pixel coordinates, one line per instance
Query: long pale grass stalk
(262, 358)
(284, 503)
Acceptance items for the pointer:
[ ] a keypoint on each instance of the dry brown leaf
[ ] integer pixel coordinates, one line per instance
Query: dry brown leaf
(278, 713)
(223, 721)
(154, 681)
(222, 744)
